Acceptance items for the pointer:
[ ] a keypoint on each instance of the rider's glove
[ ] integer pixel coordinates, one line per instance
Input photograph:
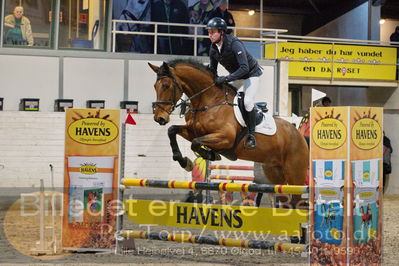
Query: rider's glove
(221, 80)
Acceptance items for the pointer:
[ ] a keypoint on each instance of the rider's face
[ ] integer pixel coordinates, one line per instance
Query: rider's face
(214, 35)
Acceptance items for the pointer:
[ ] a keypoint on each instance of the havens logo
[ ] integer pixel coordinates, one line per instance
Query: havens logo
(329, 133)
(328, 192)
(365, 195)
(328, 173)
(88, 169)
(209, 216)
(93, 131)
(366, 176)
(366, 133)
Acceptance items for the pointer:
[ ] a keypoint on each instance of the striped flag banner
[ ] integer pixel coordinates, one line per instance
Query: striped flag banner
(366, 173)
(329, 172)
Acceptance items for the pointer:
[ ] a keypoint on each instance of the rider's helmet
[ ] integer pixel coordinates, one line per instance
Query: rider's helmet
(216, 23)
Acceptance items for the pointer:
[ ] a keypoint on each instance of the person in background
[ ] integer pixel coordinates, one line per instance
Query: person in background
(326, 101)
(395, 36)
(135, 10)
(117, 7)
(230, 52)
(171, 11)
(203, 9)
(222, 12)
(387, 165)
(18, 28)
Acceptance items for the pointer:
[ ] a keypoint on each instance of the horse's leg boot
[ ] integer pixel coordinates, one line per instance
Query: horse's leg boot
(250, 142)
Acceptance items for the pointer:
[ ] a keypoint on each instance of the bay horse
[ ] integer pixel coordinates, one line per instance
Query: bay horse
(210, 122)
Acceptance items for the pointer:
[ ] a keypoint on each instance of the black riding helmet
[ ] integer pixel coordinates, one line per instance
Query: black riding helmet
(216, 24)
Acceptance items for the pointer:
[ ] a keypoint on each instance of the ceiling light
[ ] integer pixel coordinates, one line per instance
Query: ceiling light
(382, 21)
(251, 12)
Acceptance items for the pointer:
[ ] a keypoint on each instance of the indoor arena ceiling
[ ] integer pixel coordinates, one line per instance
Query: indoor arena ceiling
(316, 12)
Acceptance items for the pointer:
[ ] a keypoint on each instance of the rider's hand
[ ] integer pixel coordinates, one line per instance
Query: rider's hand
(220, 80)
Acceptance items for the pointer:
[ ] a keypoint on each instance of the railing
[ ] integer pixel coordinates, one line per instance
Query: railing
(195, 36)
(266, 37)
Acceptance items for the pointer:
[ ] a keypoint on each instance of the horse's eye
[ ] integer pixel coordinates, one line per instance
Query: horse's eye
(166, 85)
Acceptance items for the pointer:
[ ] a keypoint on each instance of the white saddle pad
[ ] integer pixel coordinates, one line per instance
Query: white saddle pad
(266, 127)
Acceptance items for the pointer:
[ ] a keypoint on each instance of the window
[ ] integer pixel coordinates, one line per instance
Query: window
(83, 24)
(27, 23)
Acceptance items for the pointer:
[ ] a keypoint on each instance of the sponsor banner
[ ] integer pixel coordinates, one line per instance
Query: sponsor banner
(346, 196)
(329, 172)
(286, 222)
(316, 60)
(366, 179)
(90, 178)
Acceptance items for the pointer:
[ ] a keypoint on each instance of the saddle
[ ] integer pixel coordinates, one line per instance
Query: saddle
(260, 107)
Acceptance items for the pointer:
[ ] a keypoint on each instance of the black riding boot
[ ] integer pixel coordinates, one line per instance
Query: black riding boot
(250, 142)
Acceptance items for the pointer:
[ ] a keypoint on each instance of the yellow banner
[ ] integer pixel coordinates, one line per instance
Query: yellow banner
(350, 61)
(217, 217)
(90, 178)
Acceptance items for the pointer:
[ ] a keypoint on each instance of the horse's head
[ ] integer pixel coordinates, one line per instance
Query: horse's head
(168, 92)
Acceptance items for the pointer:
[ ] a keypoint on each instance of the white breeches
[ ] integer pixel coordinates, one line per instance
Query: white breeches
(250, 87)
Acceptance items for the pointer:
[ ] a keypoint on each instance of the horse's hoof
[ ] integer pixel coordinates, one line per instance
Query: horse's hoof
(217, 157)
(213, 156)
(189, 164)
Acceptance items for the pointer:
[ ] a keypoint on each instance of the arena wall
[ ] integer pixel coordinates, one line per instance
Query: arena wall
(112, 78)
(31, 141)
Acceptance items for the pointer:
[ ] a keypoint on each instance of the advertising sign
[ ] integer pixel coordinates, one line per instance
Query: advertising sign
(346, 197)
(90, 178)
(337, 61)
(366, 179)
(217, 217)
(329, 168)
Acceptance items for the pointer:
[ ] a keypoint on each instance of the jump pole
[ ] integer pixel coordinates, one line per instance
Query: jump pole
(234, 187)
(211, 240)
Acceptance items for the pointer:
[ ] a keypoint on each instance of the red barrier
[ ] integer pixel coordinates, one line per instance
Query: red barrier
(235, 178)
(230, 167)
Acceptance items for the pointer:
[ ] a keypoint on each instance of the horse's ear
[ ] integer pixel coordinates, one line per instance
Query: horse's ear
(154, 67)
(165, 67)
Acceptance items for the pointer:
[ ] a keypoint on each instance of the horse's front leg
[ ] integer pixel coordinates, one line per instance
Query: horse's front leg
(214, 141)
(174, 130)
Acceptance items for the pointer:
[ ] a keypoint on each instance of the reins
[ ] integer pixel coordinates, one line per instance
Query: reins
(182, 102)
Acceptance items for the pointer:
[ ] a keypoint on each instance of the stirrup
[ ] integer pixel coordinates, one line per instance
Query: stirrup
(250, 142)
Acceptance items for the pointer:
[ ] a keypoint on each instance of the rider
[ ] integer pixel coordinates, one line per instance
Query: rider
(230, 52)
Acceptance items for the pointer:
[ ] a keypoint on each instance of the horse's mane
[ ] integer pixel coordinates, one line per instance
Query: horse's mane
(197, 65)
(191, 62)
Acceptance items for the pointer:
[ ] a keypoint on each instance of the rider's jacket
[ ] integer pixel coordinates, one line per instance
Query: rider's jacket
(235, 58)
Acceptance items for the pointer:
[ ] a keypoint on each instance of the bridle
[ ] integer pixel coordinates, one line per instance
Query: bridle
(174, 102)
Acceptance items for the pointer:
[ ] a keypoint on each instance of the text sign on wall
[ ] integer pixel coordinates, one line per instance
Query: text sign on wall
(350, 61)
